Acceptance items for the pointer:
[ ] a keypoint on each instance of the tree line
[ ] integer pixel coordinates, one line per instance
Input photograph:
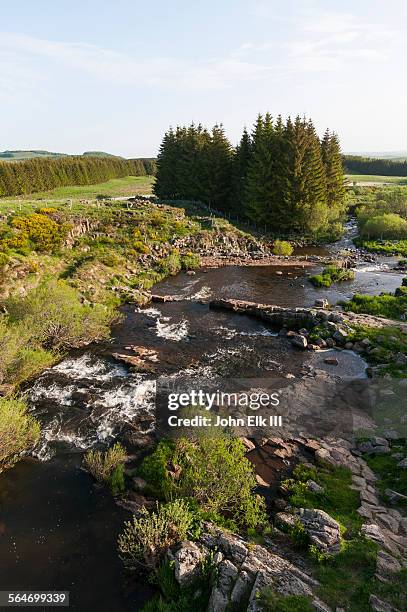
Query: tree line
(36, 174)
(280, 175)
(369, 165)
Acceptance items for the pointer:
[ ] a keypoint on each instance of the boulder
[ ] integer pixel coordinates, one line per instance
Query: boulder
(377, 605)
(402, 464)
(285, 521)
(340, 336)
(187, 563)
(331, 361)
(248, 444)
(321, 303)
(386, 564)
(227, 575)
(323, 530)
(314, 487)
(299, 341)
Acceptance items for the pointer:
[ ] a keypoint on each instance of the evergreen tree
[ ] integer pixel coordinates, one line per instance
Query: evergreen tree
(259, 190)
(165, 182)
(241, 163)
(332, 158)
(216, 177)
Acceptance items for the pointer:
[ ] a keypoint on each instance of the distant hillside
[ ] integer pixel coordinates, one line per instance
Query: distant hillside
(391, 155)
(100, 154)
(356, 164)
(18, 155)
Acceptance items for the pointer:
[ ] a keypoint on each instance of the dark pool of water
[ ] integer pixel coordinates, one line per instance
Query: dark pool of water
(58, 532)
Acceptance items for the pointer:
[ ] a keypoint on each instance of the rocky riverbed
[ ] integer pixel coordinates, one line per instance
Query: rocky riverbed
(106, 392)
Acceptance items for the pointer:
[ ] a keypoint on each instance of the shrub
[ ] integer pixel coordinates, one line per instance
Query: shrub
(116, 480)
(384, 305)
(140, 247)
(282, 247)
(27, 363)
(320, 280)
(332, 274)
(103, 465)
(190, 261)
(19, 431)
(41, 231)
(48, 210)
(215, 472)
(171, 264)
(4, 259)
(145, 540)
(299, 536)
(388, 225)
(56, 317)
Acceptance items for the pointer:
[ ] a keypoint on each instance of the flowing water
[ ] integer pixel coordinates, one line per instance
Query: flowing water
(57, 529)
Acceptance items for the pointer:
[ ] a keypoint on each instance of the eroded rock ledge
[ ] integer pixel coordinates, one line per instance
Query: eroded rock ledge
(295, 318)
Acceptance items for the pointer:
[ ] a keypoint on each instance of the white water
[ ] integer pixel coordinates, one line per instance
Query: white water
(172, 331)
(89, 402)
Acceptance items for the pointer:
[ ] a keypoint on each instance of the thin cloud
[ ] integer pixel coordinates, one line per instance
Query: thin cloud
(118, 68)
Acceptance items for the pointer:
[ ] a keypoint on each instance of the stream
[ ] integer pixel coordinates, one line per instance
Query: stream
(58, 530)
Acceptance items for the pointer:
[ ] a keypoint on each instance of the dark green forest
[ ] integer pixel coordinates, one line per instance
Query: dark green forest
(368, 165)
(281, 175)
(31, 175)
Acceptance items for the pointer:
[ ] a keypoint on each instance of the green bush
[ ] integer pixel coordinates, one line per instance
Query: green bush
(103, 466)
(171, 264)
(320, 280)
(4, 259)
(190, 261)
(384, 305)
(332, 274)
(214, 471)
(116, 480)
(20, 357)
(388, 225)
(56, 317)
(27, 363)
(145, 539)
(282, 247)
(19, 431)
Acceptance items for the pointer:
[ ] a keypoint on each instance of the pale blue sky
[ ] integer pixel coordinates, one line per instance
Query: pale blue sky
(112, 75)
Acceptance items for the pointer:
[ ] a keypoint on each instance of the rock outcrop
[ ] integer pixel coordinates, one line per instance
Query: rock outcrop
(243, 571)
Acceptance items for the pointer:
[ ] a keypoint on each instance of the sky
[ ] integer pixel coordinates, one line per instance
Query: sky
(78, 75)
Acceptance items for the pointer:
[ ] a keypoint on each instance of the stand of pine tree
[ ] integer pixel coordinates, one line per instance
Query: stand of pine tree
(357, 164)
(31, 175)
(281, 176)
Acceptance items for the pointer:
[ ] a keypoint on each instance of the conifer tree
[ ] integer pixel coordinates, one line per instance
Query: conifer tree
(216, 177)
(332, 158)
(241, 163)
(260, 172)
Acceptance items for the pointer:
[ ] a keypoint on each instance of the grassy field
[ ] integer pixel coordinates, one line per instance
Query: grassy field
(375, 179)
(122, 187)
